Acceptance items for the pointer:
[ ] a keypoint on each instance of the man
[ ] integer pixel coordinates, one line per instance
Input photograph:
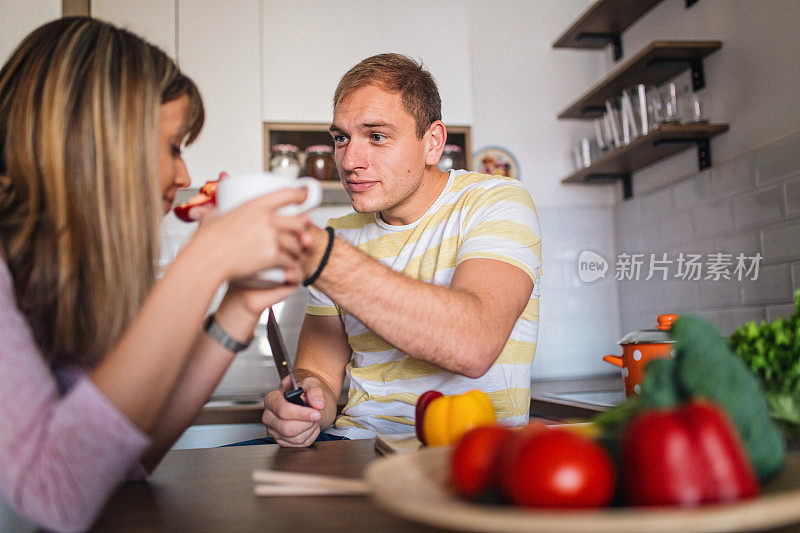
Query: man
(431, 284)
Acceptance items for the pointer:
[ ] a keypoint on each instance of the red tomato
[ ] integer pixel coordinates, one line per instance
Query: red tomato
(474, 464)
(557, 468)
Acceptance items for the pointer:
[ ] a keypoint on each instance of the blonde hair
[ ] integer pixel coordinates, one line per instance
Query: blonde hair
(80, 104)
(396, 73)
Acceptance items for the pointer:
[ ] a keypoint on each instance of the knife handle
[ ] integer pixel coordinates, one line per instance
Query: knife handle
(295, 396)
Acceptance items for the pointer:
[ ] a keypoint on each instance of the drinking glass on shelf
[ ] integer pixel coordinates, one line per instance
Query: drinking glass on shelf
(612, 113)
(629, 128)
(672, 111)
(577, 158)
(695, 107)
(655, 107)
(598, 133)
(586, 152)
(608, 137)
(640, 109)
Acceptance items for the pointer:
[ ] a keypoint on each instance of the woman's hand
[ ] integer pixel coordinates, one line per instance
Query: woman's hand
(253, 237)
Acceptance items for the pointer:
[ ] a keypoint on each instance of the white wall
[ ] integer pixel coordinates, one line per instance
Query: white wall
(309, 44)
(152, 19)
(218, 47)
(18, 19)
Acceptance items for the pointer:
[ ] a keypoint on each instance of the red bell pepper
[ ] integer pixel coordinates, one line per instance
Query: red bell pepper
(685, 456)
(419, 410)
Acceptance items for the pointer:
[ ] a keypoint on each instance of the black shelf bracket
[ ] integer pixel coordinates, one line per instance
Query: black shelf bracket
(698, 75)
(593, 111)
(703, 149)
(613, 38)
(627, 182)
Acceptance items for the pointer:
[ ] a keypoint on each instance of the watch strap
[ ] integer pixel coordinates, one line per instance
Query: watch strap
(216, 332)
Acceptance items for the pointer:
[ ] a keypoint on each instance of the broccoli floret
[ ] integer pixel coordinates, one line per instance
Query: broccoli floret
(660, 387)
(708, 369)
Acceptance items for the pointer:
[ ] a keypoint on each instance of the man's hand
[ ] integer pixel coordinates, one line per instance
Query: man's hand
(293, 425)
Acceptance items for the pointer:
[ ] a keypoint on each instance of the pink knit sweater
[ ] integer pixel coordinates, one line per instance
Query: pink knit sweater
(61, 453)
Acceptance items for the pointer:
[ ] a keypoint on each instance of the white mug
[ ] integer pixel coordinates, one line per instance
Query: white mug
(238, 189)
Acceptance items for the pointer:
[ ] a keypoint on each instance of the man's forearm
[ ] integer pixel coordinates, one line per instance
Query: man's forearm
(443, 326)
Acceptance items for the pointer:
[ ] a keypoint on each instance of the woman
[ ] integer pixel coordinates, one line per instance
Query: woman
(101, 368)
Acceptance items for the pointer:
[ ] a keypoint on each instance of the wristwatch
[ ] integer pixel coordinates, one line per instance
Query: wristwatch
(212, 327)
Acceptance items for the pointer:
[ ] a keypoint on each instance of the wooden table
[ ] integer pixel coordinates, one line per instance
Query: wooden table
(210, 490)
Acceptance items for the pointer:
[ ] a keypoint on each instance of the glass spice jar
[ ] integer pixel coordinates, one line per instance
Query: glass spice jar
(319, 162)
(284, 160)
(452, 158)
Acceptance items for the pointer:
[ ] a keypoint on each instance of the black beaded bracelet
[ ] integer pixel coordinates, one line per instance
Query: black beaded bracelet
(324, 261)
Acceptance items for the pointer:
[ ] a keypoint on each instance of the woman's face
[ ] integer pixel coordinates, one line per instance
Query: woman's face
(171, 167)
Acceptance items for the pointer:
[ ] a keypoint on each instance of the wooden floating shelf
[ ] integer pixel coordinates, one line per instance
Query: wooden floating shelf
(603, 22)
(655, 64)
(663, 142)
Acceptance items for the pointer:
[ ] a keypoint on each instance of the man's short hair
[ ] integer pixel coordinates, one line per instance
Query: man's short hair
(396, 73)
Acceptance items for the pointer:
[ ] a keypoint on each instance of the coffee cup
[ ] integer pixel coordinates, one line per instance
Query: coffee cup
(238, 189)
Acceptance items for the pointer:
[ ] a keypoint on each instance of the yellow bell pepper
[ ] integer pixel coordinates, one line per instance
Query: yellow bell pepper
(447, 418)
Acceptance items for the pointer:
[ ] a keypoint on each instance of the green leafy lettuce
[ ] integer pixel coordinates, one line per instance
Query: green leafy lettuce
(772, 352)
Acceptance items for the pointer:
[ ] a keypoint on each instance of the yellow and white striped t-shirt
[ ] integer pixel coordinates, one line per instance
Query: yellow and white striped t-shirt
(475, 216)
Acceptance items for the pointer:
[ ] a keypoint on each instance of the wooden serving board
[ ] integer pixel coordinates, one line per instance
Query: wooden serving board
(415, 486)
(403, 443)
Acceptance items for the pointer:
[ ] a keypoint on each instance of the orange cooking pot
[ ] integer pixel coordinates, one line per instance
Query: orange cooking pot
(640, 347)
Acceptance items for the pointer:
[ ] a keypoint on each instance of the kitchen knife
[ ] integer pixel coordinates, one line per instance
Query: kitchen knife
(281, 361)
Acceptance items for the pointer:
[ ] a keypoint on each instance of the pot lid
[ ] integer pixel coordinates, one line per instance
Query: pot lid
(659, 334)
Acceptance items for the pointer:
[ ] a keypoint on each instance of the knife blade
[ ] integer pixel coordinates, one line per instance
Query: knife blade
(281, 360)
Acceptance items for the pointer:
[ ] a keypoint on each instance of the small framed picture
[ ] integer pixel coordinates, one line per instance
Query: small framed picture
(496, 160)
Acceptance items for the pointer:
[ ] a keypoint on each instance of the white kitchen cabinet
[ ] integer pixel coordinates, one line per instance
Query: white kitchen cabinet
(152, 19)
(18, 19)
(308, 45)
(218, 47)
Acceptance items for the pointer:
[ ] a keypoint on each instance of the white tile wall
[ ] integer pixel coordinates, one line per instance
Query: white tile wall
(779, 160)
(780, 311)
(773, 285)
(692, 192)
(796, 276)
(792, 192)
(579, 322)
(713, 219)
(781, 242)
(731, 177)
(749, 205)
(758, 208)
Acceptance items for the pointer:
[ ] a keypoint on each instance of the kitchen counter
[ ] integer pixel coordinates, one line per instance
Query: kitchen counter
(550, 399)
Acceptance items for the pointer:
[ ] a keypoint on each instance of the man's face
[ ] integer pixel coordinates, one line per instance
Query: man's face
(380, 159)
